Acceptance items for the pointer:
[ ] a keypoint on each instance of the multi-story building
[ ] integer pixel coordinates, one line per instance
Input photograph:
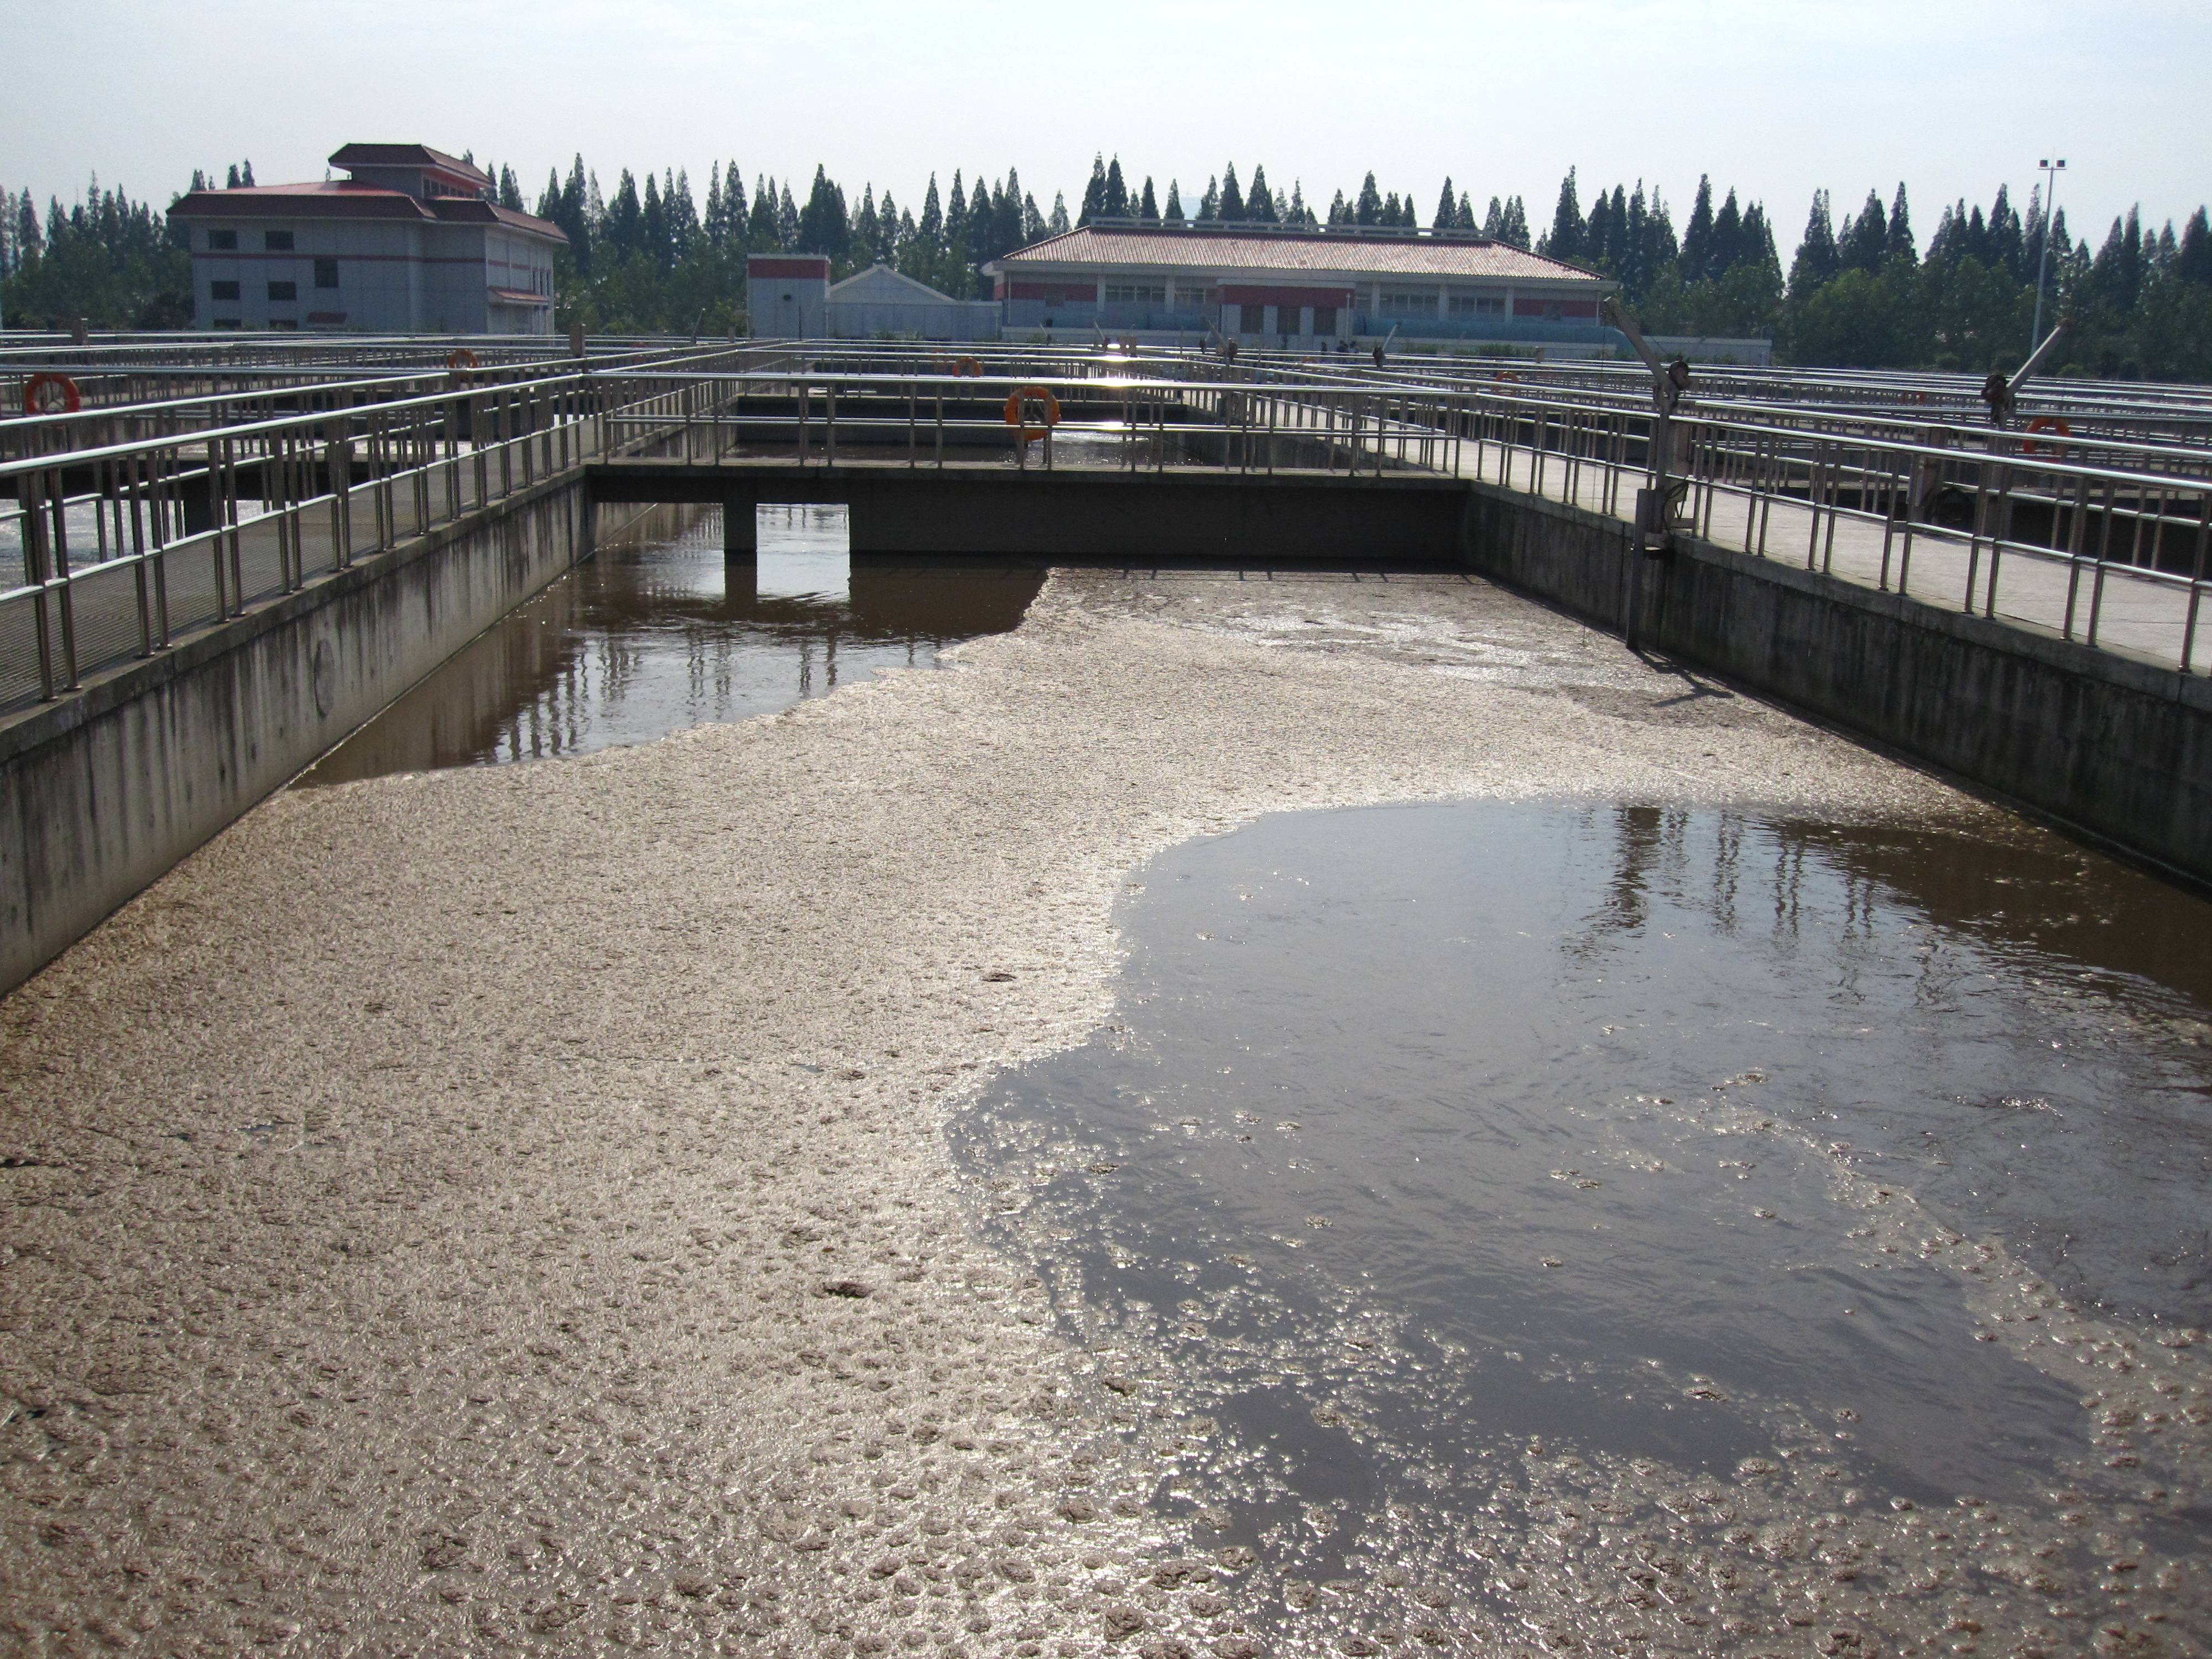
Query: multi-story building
(410, 242)
(1298, 288)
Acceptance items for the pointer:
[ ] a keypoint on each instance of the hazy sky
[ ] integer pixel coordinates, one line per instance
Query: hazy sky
(1775, 97)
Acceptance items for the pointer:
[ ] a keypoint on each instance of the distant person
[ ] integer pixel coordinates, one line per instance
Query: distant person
(1378, 356)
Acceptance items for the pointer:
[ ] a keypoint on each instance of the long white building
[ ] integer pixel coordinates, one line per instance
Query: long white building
(407, 243)
(1299, 288)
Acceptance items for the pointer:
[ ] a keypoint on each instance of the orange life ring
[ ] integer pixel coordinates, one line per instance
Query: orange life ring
(51, 394)
(967, 366)
(1506, 374)
(460, 367)
(2045, 424)
(1016, 415)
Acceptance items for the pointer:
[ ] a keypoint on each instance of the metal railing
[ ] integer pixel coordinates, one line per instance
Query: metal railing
(185, 513)
(125, 548)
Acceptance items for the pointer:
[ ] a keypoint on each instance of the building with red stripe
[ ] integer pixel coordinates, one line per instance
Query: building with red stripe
(1299, 288)
(410, 242)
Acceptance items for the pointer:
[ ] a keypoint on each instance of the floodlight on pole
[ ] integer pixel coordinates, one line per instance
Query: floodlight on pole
(2051, 169)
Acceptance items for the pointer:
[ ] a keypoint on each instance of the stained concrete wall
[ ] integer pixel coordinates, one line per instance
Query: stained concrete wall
(102, 792)
(1119, 518)
(2118, 750)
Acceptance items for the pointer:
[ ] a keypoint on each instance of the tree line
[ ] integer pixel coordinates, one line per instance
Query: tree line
(1859, 291)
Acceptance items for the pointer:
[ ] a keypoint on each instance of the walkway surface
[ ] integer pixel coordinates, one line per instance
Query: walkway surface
(2137, 614)
(505, 1210)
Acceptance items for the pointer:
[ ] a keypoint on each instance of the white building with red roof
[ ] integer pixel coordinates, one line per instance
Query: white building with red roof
(410, 242)
(1298, 288)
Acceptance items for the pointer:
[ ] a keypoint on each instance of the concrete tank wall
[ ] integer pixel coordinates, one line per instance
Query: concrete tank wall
(2119, 749)
(103, 792)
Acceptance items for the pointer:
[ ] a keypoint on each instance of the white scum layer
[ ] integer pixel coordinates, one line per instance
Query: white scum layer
(506, 1210)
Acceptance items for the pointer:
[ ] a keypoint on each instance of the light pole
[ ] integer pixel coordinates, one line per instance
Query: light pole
(2051, 169)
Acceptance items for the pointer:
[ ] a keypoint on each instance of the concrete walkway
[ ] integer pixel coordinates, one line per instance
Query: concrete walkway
(2138, 614)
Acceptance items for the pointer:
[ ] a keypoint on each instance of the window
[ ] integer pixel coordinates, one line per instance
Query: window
(1135, 294)
(1478, 305)
(1324, 319)
(222, 241)
(222, 291)
(1254, 320)
(226, 322)
(279, 241)
(283, 322)
(283, 290)
(1408, 304)
(326, 273)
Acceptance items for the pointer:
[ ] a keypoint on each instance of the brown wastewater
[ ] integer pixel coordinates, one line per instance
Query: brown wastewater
(1630, 1229)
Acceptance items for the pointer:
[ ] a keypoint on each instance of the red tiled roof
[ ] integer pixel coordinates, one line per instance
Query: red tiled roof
(474, 210)
(405, 156)
(334, 200)
(338, 199)
(1318, 252)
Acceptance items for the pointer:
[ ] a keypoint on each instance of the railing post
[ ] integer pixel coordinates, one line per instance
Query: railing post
(35, 567)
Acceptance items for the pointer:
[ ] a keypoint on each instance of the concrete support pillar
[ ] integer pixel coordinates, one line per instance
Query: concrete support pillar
(740, 533)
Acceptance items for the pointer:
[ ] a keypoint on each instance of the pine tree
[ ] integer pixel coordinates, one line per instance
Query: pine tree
(1493, 222)
(761, 232)
(1728, 249)
(1094, 193)
(683, 212)
(1898, 245)
(1259, 201)
(1447, 206)
(2008, 245)
(1338, 212)
(1368, 209)
(1147, 209)
(1567, 229)
(1464, 220)
(931, 227)
(2117, 276)
(1230, 209)
(1629, 260)
(1864, 238)
(652, 226)
(887, 231)
(1697, 258)
(822, 227)
(1817, 260)
(1209, 205)
(1058, 222)
(1516, 222)
(625, 215)
(2192, 261)
(787, 219)
(1172, 213)
(865, 230)
(1117, 191)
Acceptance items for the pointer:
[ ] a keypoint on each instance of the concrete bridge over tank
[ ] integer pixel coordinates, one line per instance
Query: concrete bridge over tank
(218, 587)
